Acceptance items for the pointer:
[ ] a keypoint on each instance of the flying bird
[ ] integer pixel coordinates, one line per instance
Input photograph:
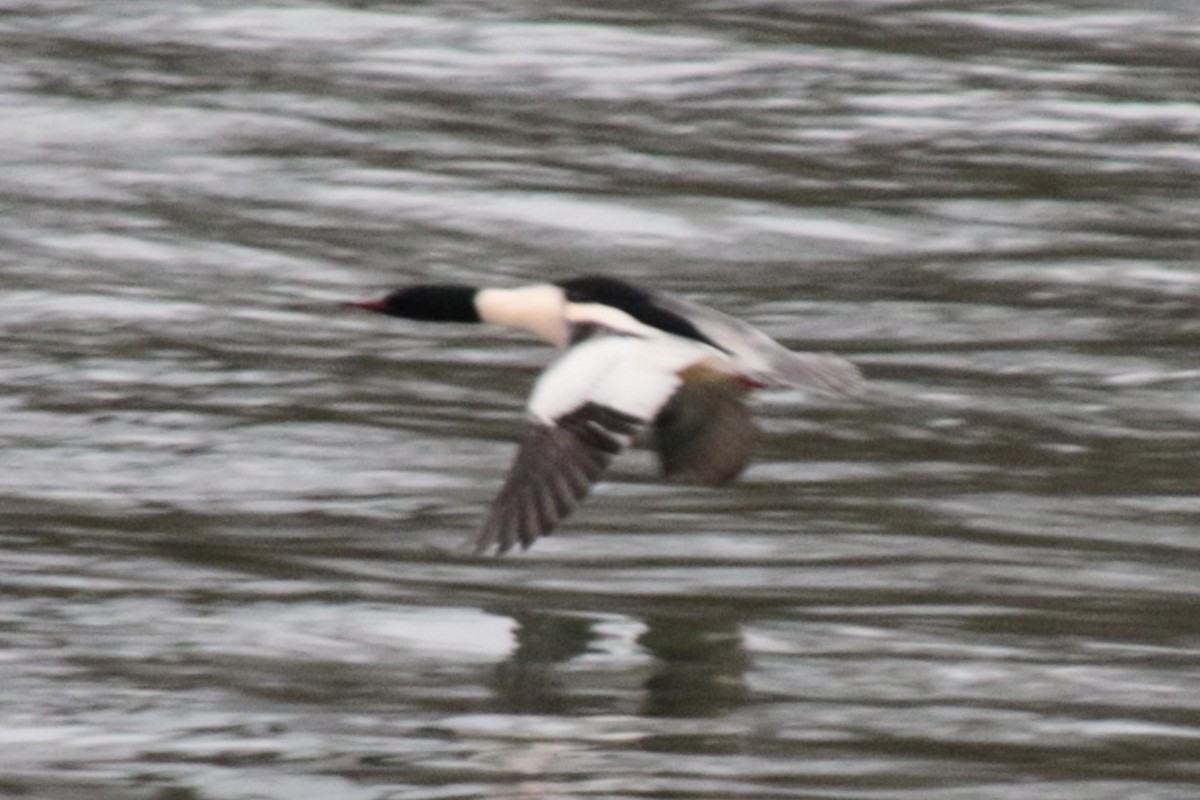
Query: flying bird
(632, 360)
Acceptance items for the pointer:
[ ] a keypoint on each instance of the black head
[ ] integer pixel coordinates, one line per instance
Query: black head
(637, 303)
(429, 303)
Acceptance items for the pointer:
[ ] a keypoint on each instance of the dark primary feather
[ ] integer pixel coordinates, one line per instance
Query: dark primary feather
(554, 469)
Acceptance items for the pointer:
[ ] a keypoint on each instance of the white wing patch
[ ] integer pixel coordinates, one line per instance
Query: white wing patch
(630, 374)
(587, 407)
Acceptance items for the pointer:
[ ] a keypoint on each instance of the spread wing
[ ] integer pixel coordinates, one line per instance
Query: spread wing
(587, 407)
(554, 470)
(762, 358)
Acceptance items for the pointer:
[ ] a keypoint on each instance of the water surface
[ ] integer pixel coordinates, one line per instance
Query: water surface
(229, 507)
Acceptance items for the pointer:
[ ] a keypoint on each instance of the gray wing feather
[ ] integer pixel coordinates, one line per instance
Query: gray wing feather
(554, 469)
(766, 359)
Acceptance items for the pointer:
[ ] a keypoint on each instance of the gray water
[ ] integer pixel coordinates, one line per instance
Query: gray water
(228, 507)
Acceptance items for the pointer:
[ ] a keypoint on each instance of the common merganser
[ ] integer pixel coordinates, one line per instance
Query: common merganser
(633, 359)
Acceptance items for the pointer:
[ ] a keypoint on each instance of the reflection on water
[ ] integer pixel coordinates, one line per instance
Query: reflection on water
(526, 681)
(701, 670)
(229, 508)
(698, 667)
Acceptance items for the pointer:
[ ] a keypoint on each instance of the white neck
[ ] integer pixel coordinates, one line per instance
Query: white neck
(537, 309)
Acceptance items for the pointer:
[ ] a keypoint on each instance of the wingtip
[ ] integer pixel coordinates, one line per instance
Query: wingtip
(482, 546)
(489, 542)
(821, 372)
